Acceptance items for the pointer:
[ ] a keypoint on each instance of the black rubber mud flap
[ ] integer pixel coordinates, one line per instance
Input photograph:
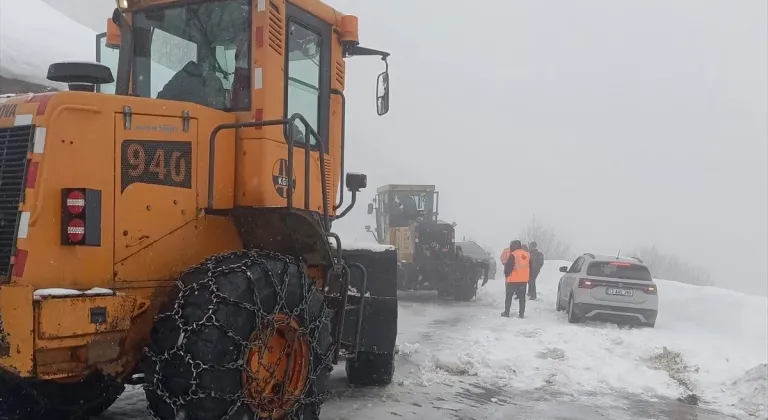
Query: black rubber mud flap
(201, 336)
(43, 400)
(378, 332)
(371, 369)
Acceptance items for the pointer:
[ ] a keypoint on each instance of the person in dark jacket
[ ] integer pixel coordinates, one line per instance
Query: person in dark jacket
(517, 274)
(537, 262)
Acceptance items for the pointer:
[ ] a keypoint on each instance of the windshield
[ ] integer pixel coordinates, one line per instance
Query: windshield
(472, 249)
(410, 200)
(196, 53)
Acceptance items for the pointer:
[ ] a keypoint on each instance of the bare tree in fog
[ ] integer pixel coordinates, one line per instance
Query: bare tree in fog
(671, 267)
(547, 240)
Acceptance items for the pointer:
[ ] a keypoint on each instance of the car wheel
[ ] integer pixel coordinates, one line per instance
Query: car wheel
(558, 306)
(572, 318)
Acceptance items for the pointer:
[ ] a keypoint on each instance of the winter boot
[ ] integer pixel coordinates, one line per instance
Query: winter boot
(505, 314)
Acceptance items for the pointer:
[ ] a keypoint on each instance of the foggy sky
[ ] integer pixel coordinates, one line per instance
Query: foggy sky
(620, 123)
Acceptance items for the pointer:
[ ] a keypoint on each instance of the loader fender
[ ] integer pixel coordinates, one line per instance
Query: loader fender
(379, 325)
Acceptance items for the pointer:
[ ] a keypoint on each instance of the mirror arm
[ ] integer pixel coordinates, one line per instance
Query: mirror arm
(353, 200)
(356, 50)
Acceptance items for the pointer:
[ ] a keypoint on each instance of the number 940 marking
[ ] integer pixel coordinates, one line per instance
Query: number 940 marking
(166, 163)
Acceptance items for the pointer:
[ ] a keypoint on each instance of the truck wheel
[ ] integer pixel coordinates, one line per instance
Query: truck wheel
(371, 369)
(558, 306)
(245, 335)
(465, 290)
(33, 400)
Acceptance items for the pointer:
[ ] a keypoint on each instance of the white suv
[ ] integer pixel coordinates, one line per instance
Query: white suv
(608, 288)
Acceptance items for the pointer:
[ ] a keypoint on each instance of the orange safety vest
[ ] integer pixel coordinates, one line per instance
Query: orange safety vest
(504, 256)
(522, 271)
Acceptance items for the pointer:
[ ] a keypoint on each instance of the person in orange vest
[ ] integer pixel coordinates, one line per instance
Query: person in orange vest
(517, 273)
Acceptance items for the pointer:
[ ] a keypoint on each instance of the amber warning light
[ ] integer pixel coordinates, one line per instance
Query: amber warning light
(81, 217)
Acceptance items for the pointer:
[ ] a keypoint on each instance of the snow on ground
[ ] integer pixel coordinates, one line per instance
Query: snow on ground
(29, 43)
(708, 342)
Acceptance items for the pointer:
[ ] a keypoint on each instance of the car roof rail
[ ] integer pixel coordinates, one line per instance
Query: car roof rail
(638, 260)
(590, 255)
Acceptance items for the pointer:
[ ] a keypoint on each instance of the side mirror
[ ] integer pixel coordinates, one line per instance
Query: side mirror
(356, 182)
(370, 208)
(367, 228)
(563, 269)
(453, 224)
(382, 93)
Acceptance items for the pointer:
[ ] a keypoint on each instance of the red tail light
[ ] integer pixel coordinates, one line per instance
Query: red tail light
(651, 290)
(80, 217)
(586, 284)
(19, 263)
(75, 202)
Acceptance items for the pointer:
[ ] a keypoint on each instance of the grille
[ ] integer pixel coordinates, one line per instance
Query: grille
(329, 181)
(14, 146)
(276, 26)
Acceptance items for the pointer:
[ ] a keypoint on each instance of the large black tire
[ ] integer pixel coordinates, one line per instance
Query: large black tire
(220, 303)
(371, 369)
(558, 306)
(42, 400)
(465, 290)
(467, 276)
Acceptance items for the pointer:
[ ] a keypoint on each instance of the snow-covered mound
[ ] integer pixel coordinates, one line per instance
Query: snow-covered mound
(30, 40)
(705, 341)
(752, 391)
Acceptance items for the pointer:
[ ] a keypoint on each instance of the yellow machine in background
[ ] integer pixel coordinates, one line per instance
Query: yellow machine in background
(428, 258)
(167, 220)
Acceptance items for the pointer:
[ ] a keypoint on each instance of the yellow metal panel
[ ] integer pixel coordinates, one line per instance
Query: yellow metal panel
(402, 238)
(16, 315)
(71, 317)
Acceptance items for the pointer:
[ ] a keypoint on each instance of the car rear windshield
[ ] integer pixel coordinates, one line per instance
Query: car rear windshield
(619, 270)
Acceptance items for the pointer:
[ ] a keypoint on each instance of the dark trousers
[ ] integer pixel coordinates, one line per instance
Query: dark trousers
(532, 285)
(515, 289)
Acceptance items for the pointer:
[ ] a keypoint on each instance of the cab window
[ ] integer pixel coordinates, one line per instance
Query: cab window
(197, 53)
(304, 55)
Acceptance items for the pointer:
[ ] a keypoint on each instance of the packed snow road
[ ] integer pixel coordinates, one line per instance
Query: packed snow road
(463, 361)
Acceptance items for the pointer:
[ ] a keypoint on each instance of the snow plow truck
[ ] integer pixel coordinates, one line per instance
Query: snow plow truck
(427, 255)
(166, 220)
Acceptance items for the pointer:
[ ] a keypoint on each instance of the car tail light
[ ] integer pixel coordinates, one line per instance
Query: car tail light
(80, 217)
(621, 264)
(651, 290)
(587, 284)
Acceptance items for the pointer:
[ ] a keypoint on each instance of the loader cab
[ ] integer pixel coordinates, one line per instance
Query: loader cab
(398, 206)
(267, 76)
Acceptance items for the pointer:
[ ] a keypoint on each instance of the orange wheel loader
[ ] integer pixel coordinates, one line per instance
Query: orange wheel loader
(166, 221)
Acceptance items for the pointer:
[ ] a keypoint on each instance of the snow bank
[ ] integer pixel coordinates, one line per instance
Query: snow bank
(706, 343)
(752, 391)
(30, 40)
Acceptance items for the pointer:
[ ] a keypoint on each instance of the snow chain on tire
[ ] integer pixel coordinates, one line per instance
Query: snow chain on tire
(222, 320)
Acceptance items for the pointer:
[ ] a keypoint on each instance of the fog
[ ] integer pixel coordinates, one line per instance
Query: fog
(621, 124)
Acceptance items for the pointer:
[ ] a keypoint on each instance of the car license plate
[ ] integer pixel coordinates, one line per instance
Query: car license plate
(618, 292)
